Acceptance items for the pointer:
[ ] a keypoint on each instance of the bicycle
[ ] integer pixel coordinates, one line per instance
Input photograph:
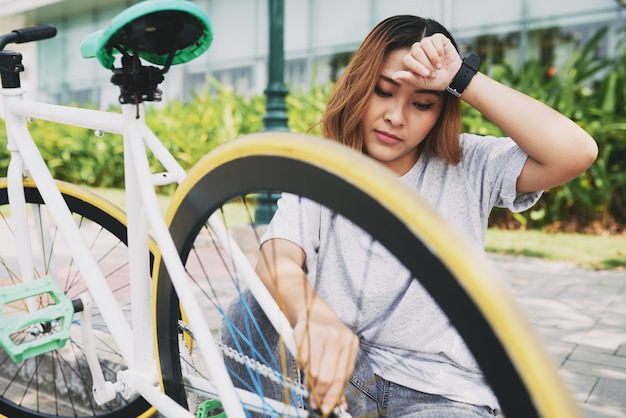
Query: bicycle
(73, 316)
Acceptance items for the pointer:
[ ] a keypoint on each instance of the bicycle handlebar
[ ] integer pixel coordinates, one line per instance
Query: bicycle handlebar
(33, 33)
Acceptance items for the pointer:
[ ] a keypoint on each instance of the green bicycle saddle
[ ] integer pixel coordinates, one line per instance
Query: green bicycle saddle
(153, 29)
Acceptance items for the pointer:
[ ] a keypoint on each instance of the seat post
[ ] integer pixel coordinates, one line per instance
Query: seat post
(137, 83)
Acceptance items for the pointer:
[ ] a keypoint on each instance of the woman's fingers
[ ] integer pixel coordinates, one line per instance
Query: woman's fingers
(417, 61)
(432, 48)
(430, 64)
(327, 350)
(343, 370)
(427, 56)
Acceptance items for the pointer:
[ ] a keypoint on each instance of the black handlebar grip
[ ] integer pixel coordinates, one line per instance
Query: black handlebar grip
(35, 33)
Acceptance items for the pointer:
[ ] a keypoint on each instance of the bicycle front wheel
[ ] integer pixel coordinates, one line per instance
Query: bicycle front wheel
(233, 183)
(58, 383)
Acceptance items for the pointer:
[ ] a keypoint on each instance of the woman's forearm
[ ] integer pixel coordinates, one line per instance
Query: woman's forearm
(558, 149)
(280, 268)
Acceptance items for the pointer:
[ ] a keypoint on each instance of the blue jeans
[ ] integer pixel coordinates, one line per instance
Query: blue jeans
(368, 395)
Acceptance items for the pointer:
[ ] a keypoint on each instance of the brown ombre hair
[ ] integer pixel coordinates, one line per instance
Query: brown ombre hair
(347, 102)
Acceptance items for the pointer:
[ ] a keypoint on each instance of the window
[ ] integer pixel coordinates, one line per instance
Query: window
(239, 79)
(296, 74)
(193, 85)
(84, 97)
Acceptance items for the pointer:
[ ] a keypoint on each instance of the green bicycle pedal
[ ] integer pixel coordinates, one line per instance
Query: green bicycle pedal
(210, 408)
(60, 311)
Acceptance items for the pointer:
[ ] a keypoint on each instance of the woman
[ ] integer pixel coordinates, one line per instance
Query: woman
(384, 347)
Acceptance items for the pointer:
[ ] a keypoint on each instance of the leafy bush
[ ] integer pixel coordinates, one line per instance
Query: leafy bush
(191, 130)
(588, 91)
(305, 109)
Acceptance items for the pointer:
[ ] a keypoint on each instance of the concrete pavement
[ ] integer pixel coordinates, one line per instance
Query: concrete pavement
(581, 317)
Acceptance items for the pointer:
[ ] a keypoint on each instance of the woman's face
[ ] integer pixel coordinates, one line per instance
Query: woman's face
(398, 117)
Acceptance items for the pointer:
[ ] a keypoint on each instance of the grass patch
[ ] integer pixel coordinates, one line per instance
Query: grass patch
(588, 251)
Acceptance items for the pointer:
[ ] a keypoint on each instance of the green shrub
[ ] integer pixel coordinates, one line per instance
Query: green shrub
(589, 91)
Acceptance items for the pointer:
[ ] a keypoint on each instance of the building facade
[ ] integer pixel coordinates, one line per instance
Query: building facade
(319, 38)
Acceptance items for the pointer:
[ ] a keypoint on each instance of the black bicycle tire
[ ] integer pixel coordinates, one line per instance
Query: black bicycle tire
(100, 211)
(268, 161)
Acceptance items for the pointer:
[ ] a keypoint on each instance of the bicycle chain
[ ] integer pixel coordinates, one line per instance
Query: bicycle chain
(262, 369)
(267, 372)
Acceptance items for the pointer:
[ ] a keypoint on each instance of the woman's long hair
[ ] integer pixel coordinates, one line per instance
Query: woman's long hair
(352, 91)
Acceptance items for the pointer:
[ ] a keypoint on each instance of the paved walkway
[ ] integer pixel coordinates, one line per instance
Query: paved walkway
(581, 316)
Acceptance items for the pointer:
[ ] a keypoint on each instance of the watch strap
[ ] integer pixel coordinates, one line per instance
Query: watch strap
(469, 68)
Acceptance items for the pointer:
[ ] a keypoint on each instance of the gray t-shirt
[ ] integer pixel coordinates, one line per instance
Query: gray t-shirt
(408, 339)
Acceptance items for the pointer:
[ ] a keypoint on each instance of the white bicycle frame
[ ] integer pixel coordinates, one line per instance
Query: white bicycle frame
(144, 221)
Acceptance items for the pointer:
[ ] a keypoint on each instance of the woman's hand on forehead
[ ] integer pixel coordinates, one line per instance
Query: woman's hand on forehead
(430, 64)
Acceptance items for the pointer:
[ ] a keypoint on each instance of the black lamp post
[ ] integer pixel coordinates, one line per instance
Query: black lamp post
(275, 118)
(276, 110)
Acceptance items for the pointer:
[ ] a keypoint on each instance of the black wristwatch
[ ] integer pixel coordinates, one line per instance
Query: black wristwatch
(469, 68)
